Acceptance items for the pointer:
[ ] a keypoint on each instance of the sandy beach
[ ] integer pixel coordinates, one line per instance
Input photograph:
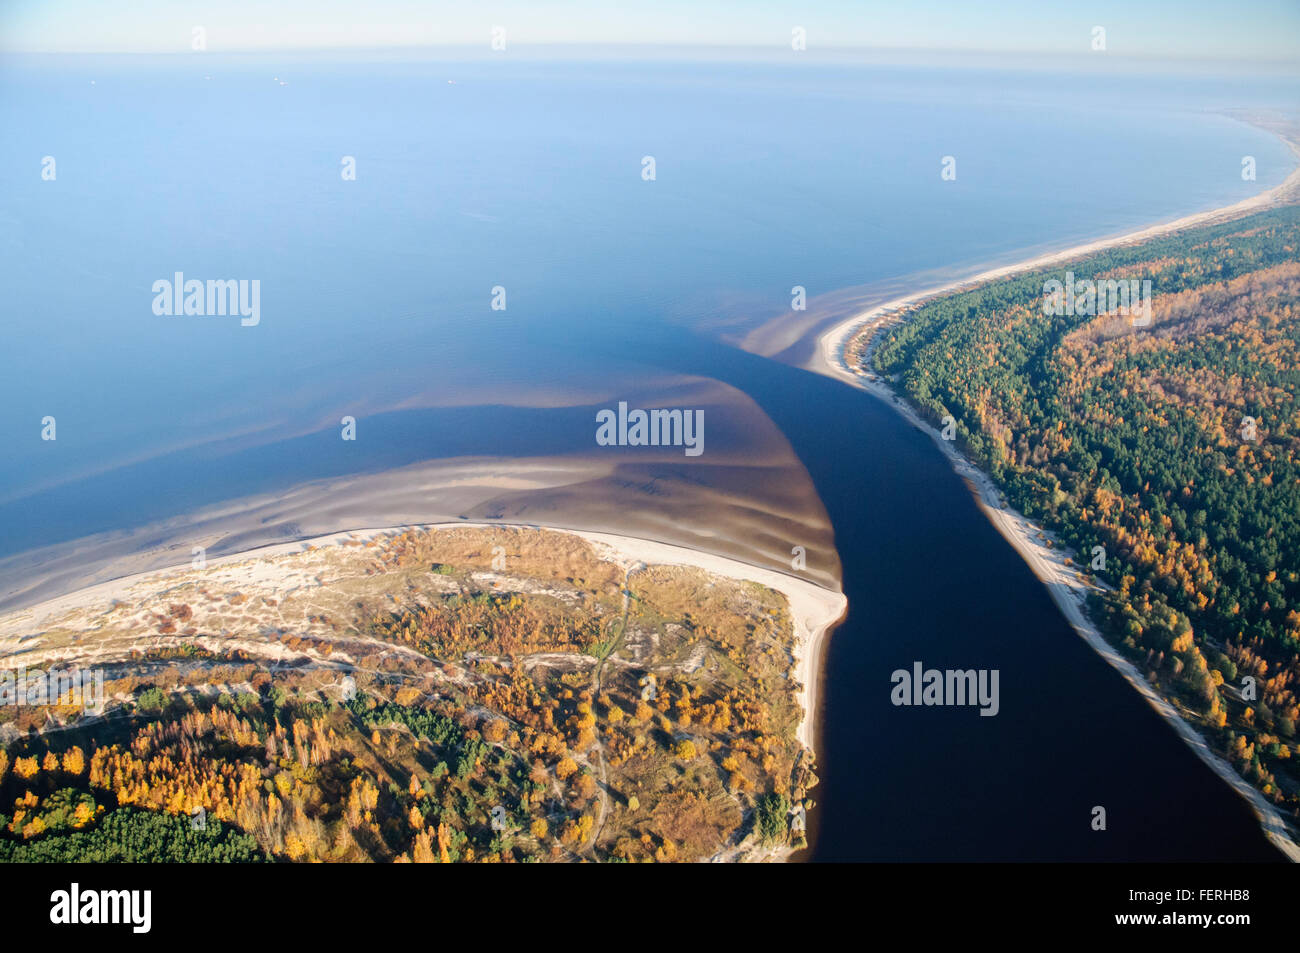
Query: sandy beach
(752, 501)
(845, 347)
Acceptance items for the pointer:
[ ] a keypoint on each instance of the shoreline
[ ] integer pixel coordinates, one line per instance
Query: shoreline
(746, 510)
(828, 355)
(1036, 546)
(814, 610)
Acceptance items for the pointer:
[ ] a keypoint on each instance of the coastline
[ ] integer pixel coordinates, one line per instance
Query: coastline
(814, 610)
(847, 345)
(828, 356)
(750, 510)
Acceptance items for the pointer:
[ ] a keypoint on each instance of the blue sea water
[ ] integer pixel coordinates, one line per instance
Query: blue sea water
(525, 174)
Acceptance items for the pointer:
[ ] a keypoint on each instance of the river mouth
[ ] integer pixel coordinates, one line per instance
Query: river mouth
(929, 580)
(379, 306)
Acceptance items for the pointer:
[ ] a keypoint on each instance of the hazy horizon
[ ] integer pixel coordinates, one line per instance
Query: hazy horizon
(1167, 30)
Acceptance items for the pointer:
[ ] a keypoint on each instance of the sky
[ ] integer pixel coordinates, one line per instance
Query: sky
(1186, 29)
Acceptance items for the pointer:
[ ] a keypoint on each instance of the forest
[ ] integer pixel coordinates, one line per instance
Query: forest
(488, 716)
(1163, 454)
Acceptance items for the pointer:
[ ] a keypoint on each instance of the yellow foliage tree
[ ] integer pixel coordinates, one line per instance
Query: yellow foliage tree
(294, 847)
(444, 841)
(422, 852)
(74, 761)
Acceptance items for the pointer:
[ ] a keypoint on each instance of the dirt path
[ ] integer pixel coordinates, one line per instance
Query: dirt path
(603, 786)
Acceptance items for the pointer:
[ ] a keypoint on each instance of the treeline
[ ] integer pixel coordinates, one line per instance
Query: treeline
(128, 835)
(1165, 455)
(470, 726)
(296, 780)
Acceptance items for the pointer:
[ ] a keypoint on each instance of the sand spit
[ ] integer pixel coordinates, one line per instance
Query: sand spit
(748, 497)
(813, 609)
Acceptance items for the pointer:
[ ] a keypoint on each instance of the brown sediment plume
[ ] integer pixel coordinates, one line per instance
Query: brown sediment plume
(747, 497)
